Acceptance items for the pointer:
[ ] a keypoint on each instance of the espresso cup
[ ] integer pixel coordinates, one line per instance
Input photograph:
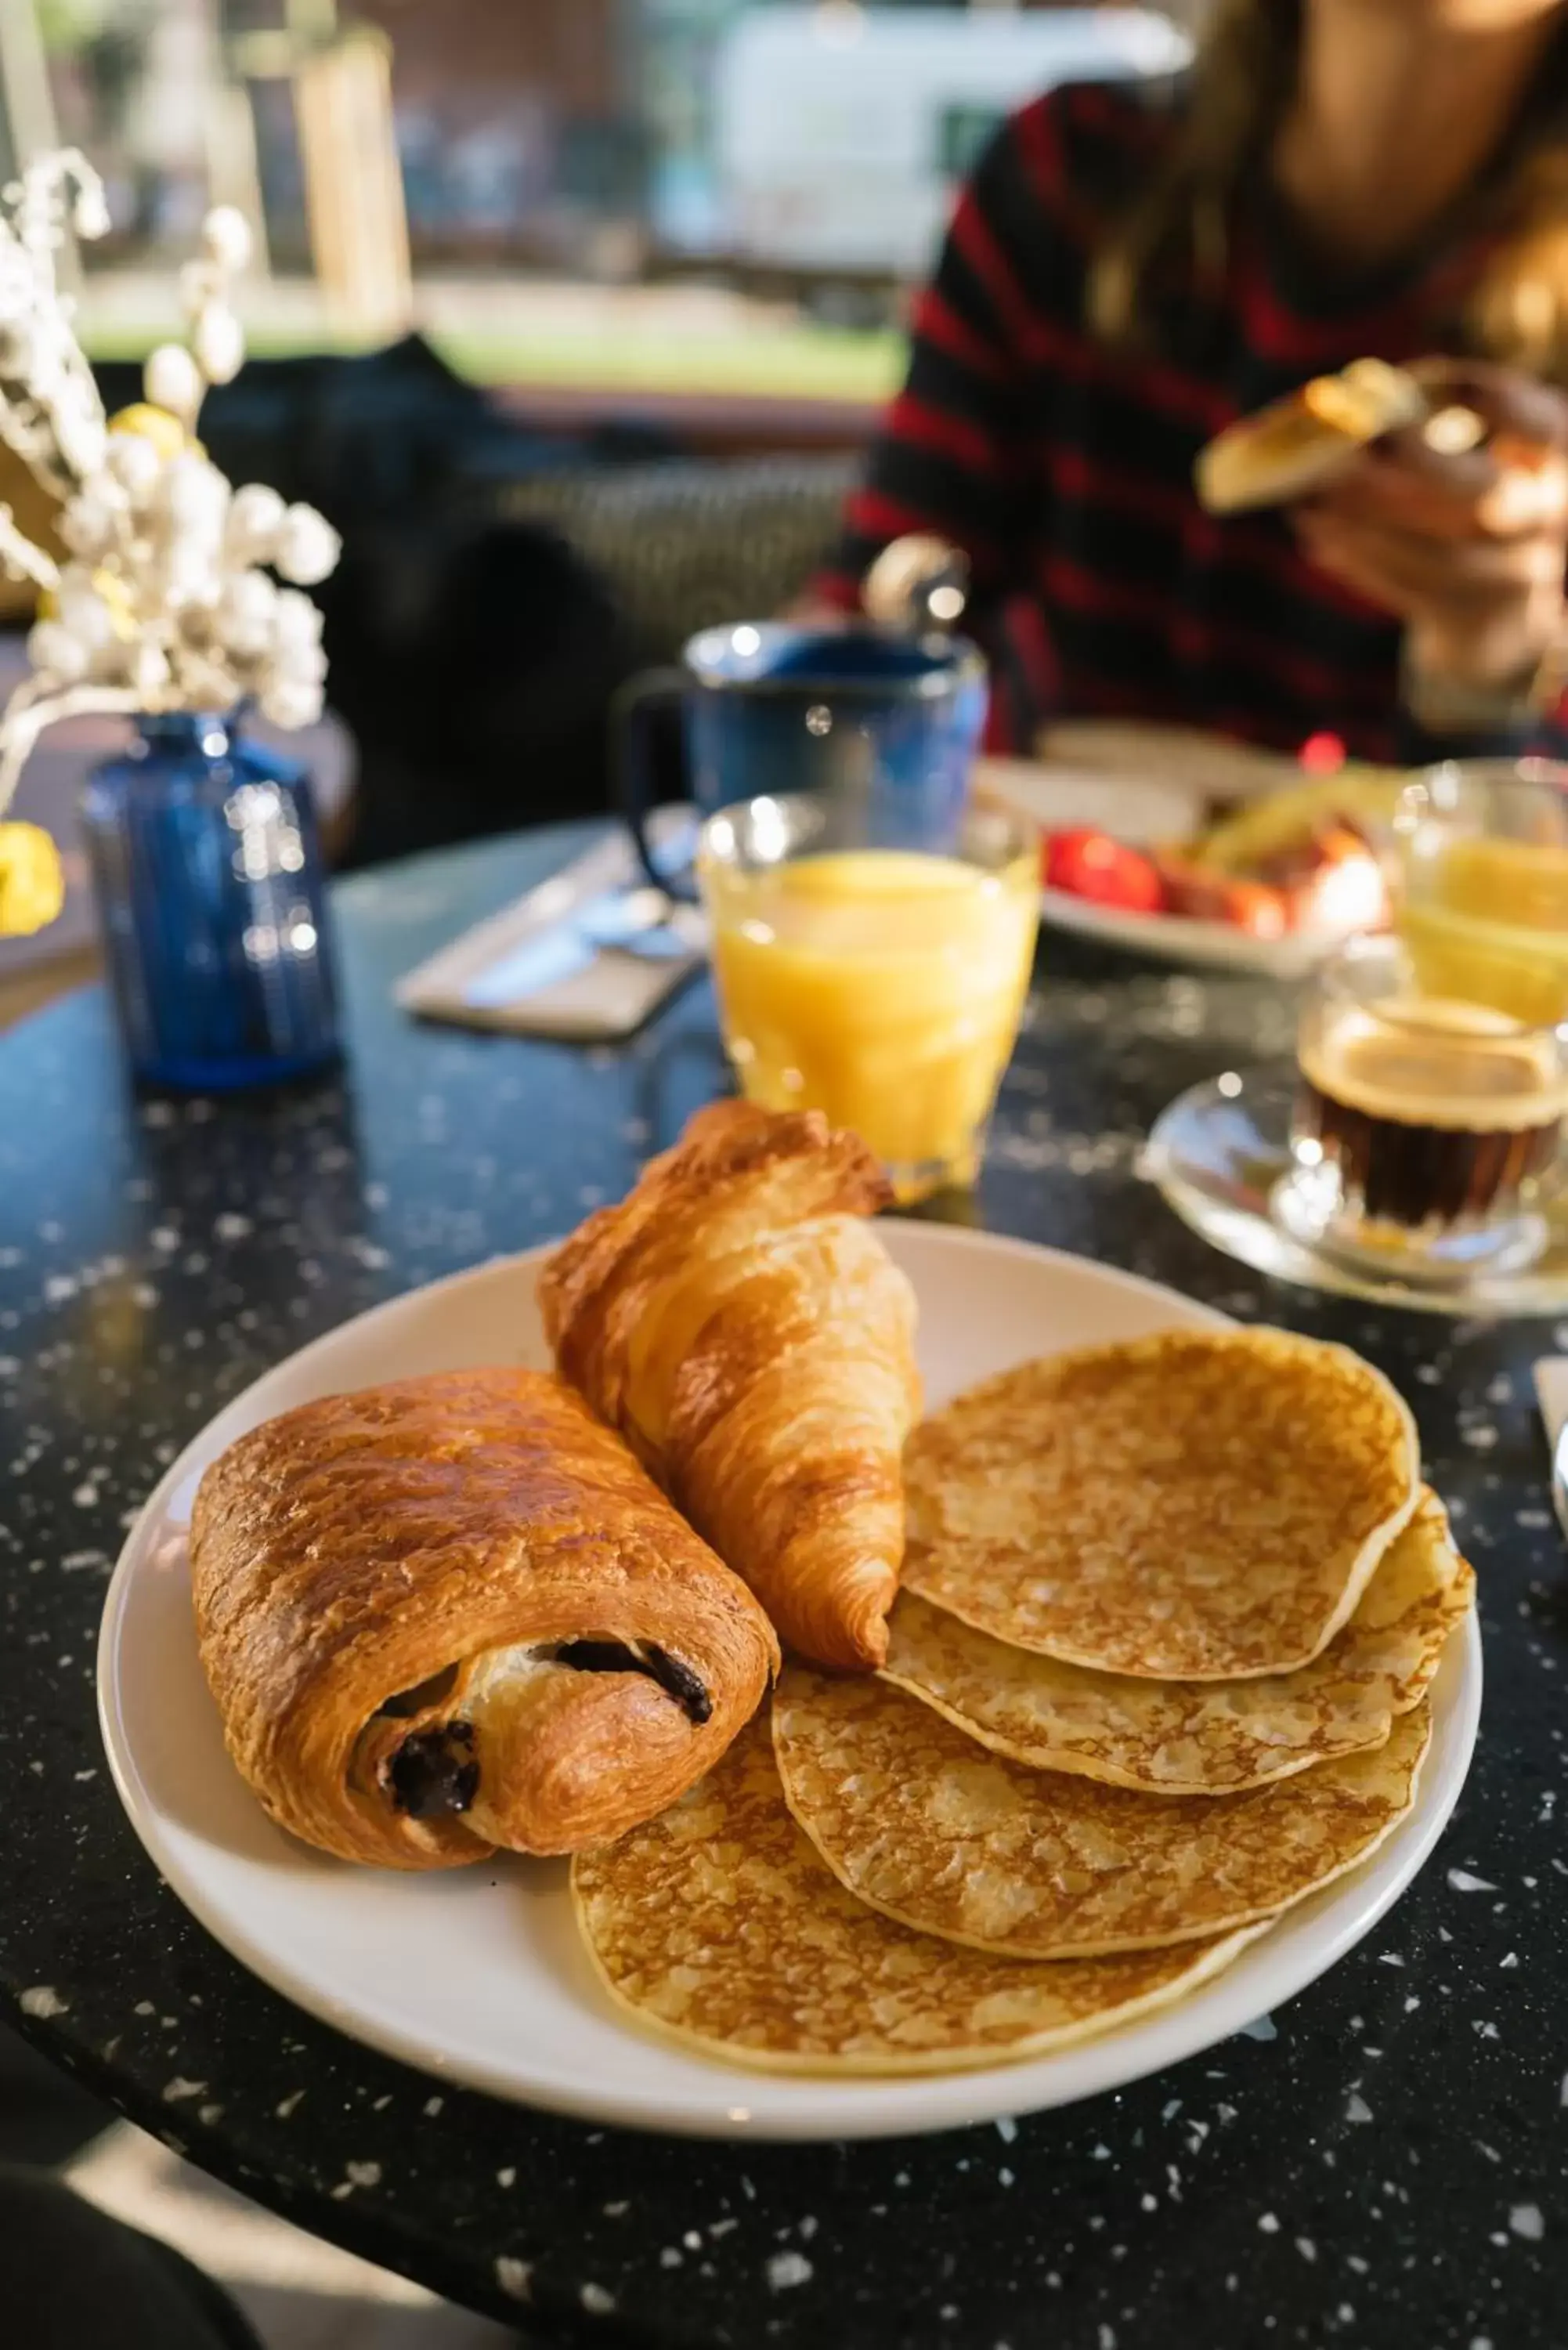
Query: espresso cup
(773, 708)
(1426, 1129)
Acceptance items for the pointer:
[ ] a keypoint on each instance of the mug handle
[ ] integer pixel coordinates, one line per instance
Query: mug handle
(633, 708)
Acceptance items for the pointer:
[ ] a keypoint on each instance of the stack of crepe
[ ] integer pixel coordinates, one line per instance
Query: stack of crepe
(1158, 1672)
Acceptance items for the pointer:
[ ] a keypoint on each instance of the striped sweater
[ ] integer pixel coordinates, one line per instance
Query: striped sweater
(1063, 467)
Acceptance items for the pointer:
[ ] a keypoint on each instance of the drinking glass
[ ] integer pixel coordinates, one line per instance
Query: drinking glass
(1426, 1127)
(882, 986)
(1482, 887)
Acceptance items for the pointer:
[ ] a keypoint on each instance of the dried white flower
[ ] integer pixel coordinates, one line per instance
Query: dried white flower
(51, 646)
(83, 611)
(246, 613)
(308, 546)
(89, 213)
(149, 670)
(163, 605)
(219, 343)
(226, 236)
(171, 379)
(191, 500)
(295, 620)
(288, 704)
(255, 517)
(135, 464)
(79, 424)
(89, 525)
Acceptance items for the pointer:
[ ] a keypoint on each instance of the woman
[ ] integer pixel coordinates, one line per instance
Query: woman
(1133, 267)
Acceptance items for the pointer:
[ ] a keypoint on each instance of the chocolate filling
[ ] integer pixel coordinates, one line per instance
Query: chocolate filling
(425, 1693)
(435, 1771)
(615, 1657)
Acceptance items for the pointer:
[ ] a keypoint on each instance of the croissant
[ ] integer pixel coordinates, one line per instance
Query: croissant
(742, 1326)
(453, 1613)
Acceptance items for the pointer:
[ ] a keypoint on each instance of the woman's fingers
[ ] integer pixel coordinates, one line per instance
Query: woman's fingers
(1510, 489)
(1506, 399)
(1407, 570)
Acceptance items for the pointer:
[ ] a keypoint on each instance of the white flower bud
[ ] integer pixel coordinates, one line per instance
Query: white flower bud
(23, 350)
(255, 517)
(226, 236)
(82, 612)
(80, 432)
(295, 620)
(173, 380)
(288, 704)
(52, 648)
(190, 574)
(308, 546)
(87, 525)
(193, 499)
(219, 343)
(149, 668)
(304, 661)
(135, 464)
(90, 212)
(246, 604)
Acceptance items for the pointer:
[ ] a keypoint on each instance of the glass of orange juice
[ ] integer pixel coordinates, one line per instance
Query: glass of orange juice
(1484, 897)
(882, 986)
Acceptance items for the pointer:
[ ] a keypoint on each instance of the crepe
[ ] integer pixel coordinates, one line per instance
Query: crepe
(1303, 442)
(740, 1325)
(452, 1613)
(916, 1819)
(719, 1925)
(1194, 1738)
(1194, 1506)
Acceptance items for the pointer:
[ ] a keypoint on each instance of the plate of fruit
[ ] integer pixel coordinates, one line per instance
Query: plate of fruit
(1271, 887)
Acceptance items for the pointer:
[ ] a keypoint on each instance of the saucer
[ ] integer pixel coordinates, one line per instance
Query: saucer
(1221, 1149)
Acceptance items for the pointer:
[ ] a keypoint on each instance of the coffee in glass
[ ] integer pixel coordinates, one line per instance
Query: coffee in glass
(1427, 1129)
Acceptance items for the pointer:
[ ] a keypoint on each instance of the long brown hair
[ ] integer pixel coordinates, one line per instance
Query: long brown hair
(1177, 231)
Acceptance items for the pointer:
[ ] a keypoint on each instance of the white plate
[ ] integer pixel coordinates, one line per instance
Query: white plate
(1056, 795)
(477, 1975)
(1195, 946)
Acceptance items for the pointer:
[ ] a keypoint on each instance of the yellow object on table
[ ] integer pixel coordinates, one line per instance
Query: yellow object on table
(1486, 921)
(157, 425)
(881, 986)
(32, 880)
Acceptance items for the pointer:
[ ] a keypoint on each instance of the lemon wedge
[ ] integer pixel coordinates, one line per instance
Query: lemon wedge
(32, 880)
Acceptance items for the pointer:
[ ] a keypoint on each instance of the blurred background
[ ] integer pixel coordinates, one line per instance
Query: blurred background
(574, 316)
(712, 195)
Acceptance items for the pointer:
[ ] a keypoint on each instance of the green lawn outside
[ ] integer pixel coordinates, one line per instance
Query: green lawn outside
(793, 362)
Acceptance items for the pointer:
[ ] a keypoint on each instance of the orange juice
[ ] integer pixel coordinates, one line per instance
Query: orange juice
(1485, 918)
(882, 986)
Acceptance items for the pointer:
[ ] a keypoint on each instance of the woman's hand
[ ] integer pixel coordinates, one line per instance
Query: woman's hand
(1469, 550)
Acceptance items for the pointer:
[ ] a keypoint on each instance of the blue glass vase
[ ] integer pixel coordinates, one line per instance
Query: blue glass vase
(212, 901)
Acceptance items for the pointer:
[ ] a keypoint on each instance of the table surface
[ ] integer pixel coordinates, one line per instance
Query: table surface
(1383, 2163)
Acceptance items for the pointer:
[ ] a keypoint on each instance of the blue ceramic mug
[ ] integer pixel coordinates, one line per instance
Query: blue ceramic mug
(778, 706)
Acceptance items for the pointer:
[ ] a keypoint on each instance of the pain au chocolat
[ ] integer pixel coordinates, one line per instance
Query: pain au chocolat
(454, 1613)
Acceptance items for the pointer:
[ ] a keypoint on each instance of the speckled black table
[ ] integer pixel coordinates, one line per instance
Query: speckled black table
(1382, 2165)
